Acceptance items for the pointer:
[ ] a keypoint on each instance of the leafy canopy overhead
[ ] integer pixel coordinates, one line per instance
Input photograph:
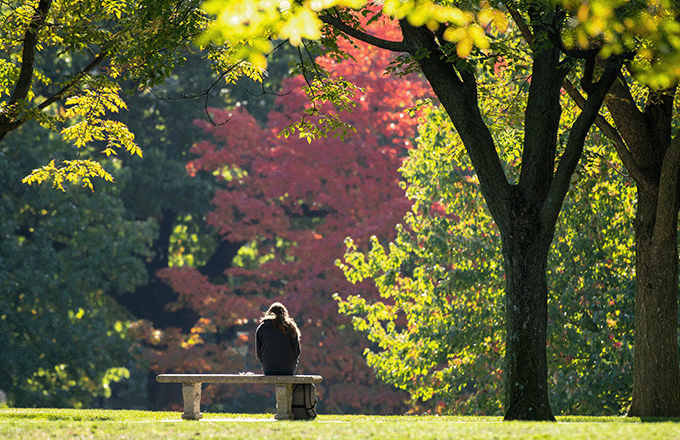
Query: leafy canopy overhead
(66, 62)
(82, 51)
(252, 24)
(648, 29)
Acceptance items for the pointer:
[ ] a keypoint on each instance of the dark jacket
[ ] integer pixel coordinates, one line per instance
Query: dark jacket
(278, 352)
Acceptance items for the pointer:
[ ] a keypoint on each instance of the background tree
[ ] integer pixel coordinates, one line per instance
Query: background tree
(644, 132)
(438, 331)
(65, 342)
(289, 204)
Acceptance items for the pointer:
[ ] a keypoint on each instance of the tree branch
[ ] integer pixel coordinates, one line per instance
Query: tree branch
(60, 94)
(456, 92)
(394, 46)
(9, 126)
(542, 118)
(632, 125)
(608, 130)
(575, 143)
(23, 84)
(522, 25)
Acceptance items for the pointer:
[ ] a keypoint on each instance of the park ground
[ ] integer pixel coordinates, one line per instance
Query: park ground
(38, 424)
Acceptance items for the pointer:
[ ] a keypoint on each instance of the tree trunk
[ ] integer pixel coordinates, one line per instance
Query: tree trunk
(653, 160)
(525, 213)
(656, 374)
(525, 256)
(149, 301)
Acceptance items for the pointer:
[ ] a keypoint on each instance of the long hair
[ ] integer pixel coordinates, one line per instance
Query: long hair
(279, 314)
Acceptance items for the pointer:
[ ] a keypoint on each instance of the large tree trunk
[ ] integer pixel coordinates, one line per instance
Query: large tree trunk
(526, 292)
(656, 374)
(526, 213)
(646, 150)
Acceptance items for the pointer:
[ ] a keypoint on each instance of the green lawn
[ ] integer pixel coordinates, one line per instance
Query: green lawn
(37, 424)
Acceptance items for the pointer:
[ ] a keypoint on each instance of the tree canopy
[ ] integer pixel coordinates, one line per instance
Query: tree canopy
(648, 29)
(437, 330)
(81, 53)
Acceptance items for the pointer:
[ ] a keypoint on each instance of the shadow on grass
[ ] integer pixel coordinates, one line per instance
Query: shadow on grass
(659, 419)
(58, 417)
(616, 419)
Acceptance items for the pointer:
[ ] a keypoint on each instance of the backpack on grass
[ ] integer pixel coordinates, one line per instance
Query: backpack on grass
(304, 401)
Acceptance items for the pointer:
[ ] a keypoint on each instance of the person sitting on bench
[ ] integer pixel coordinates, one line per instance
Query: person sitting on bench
(277, 342)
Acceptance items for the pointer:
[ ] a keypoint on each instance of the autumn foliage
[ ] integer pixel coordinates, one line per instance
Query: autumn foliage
(292, 203)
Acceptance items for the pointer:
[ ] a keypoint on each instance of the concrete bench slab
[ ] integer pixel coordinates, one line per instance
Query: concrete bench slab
(191, 389)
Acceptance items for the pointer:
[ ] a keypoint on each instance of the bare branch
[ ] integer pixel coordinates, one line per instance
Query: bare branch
(64, 90)
(608, 130)
(206, 92)
(394, 46)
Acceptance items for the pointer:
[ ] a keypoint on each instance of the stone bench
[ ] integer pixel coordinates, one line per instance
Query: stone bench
(191, 389)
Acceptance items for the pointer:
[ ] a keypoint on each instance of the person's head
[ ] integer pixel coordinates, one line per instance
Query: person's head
(278, 309)
(278, 313)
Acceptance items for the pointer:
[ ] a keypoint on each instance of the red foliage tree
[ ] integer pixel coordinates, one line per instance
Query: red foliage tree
(293, 203)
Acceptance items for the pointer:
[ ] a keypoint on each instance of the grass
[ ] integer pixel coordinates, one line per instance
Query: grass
(38, 424)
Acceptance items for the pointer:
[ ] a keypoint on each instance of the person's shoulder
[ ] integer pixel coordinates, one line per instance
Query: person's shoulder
(266, 323)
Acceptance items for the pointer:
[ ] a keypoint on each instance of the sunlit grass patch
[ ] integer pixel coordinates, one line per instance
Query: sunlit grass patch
(38, 424)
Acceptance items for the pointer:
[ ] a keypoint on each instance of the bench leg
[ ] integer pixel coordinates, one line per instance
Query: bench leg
(191, 392)
(284, 401)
